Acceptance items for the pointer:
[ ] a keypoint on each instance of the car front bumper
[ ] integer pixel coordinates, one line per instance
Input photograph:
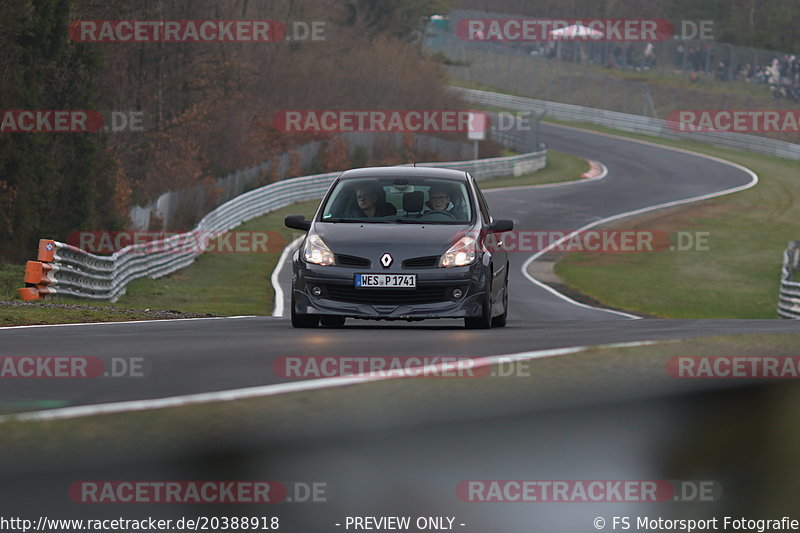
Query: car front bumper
(433, 297)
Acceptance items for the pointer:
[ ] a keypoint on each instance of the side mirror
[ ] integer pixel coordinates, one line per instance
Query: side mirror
(499, 226)
(297, 222)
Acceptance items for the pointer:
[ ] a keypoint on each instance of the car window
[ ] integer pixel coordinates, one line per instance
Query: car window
(398, 199)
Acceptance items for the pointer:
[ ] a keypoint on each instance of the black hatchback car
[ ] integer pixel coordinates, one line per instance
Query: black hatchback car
(400, 243)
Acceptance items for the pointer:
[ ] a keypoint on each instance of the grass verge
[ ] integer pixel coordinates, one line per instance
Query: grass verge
(560, 167)
(16, 313)
(736, 277)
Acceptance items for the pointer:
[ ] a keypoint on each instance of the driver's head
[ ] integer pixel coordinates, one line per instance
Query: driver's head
(438, 198)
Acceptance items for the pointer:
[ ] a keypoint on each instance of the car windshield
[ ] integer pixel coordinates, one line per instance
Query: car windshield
(416, 200)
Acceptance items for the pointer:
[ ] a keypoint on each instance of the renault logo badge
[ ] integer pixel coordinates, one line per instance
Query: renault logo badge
(386, 260)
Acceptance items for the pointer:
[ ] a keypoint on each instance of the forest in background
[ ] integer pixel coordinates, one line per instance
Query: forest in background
(207, 107)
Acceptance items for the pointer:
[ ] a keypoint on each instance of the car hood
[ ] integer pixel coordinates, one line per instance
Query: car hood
(402, 241)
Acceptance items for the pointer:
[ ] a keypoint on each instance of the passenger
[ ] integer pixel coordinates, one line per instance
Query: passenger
(368, 204)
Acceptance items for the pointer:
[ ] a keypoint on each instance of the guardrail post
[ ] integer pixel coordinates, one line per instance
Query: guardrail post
(789, 293)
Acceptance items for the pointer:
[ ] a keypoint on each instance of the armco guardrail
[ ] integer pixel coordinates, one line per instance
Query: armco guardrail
(789, 297)
(65, 270)
(631, 123)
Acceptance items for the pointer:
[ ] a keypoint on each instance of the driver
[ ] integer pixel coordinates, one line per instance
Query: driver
(438, 199)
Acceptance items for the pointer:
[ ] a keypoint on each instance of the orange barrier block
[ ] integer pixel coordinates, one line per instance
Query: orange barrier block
(47, 250)
(29, 293)
(36, 273)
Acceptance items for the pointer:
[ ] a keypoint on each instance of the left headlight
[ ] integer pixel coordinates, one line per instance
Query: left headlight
(462, 253)
(317, 252)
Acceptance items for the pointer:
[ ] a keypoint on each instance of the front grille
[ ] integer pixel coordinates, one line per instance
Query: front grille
(420, 295)
(422, 262)
(351, 261)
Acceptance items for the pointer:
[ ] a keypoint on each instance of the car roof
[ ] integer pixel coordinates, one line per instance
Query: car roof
(405, 171)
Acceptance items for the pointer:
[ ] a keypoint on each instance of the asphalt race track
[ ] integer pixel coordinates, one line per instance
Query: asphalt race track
(192, 356)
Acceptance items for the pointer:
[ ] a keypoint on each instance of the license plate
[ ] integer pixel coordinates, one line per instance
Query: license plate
(394, 281)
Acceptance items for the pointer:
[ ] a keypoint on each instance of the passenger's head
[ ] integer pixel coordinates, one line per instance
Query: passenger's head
(366, 195)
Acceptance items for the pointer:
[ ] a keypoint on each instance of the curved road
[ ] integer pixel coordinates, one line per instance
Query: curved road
(192, 356)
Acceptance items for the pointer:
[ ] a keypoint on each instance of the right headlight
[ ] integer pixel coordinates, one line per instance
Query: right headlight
(317, 252)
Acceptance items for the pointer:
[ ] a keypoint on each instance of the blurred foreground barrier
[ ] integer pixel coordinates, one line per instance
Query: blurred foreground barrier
(789, 297)
(62, 269)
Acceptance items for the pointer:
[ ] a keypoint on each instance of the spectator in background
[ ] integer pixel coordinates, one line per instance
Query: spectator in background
(679, 52)
(616, 57)
(649, 56)
(694, 58)
(773, 72)
(722, 71)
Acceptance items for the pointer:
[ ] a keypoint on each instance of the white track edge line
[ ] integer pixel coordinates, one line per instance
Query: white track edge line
(152, 321)
(603, 174)
(753, 182)
(285, 388)
(277, 310)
